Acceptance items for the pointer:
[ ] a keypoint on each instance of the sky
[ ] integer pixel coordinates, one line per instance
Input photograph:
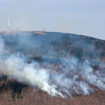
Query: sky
(85, 17)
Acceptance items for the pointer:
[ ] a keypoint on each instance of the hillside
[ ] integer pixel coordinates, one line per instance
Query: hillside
(51, 69)
(54, 44)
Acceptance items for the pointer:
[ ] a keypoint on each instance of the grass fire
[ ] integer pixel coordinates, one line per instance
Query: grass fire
(60, 64)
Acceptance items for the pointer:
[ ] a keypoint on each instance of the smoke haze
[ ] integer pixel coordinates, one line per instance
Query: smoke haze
(72, 76)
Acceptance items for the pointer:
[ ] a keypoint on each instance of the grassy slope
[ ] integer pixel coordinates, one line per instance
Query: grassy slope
(50, 46)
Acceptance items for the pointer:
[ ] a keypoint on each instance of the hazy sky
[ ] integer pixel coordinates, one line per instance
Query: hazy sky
(73, 16)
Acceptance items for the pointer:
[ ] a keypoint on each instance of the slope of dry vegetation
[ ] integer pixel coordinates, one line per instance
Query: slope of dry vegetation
(14, 93)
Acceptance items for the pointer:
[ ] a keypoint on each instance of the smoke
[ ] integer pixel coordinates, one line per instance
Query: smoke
(16, 67)
(70, 77)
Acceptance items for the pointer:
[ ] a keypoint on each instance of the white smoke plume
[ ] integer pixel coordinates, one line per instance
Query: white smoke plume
(15, 66)
(74, 77)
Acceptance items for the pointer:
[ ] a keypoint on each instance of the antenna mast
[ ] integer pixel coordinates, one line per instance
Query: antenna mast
(8, 23)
